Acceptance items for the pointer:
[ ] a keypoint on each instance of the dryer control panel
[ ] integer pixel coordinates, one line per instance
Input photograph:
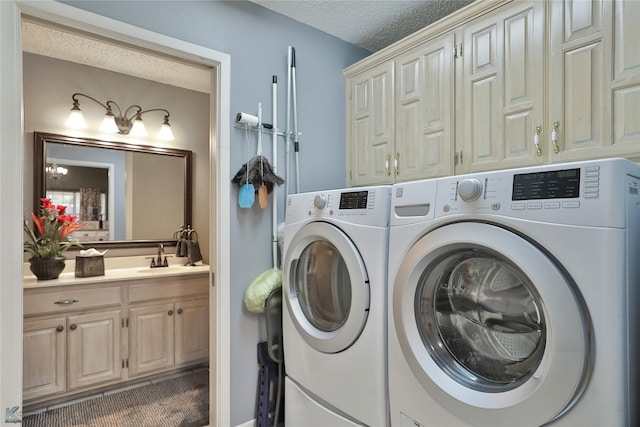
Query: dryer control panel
(366, 206)
(580, 193)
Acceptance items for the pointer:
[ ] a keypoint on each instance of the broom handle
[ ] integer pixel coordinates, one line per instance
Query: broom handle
(259, 150)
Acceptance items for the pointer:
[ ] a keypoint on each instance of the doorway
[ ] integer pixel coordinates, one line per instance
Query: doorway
(11, 14)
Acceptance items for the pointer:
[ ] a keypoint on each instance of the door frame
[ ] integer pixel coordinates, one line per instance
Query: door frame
(11, 184)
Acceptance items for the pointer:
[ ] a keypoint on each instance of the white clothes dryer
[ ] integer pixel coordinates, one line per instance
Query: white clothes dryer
(513, 297)
(334, 324)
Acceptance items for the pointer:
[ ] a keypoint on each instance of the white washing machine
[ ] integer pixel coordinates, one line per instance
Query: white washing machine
(334, 324)
(513, 297)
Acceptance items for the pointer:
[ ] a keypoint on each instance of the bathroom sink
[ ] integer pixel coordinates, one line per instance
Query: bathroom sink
(158, 270)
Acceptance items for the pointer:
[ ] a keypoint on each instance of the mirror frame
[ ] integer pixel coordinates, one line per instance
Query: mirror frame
(41, 139)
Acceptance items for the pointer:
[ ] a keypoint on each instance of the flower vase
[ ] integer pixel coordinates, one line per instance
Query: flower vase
(47, 268)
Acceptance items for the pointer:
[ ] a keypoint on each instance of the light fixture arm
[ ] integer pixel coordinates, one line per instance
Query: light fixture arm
(76, 102)
(126, 119)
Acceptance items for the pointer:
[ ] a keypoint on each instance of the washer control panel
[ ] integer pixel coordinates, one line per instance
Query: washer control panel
(580, 192)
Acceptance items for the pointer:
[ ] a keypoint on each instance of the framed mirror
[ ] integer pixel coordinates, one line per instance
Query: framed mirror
(127, 195)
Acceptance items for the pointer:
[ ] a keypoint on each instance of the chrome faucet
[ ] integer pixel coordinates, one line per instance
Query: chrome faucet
(161, 259)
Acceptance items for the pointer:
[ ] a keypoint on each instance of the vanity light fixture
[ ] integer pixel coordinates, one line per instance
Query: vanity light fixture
(128, 122)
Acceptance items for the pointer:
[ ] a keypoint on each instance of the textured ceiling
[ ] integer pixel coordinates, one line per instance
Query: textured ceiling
(370, 24)
(45, 40)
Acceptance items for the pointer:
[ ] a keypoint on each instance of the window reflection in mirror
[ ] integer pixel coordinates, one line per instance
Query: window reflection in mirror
(128, 195)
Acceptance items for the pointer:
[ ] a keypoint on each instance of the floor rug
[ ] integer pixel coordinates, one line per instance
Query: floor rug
(177, 402)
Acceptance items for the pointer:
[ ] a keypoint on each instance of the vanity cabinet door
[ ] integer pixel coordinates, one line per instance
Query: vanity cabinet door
(44, 357)
(94, 354)
(192, 330)
(151, 338)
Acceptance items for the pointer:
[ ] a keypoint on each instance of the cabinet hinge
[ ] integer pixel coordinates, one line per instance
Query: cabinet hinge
(125, 322)
(457, 50)
(457, 158)
(125, 363)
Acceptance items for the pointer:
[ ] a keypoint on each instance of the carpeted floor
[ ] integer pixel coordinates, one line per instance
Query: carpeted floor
(176, 402)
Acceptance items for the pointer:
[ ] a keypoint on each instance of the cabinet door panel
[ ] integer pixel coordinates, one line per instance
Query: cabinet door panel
(424, 111)
(502, 88)
(370, 131)
(44, 357)
(151, 338)
(626, 84)
(94, 348)
(192, 330)
(580, 79)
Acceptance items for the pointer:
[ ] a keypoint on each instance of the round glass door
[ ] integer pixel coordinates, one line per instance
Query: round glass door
(490, 326)
(323, 286)
(481, 319)
(327, 287)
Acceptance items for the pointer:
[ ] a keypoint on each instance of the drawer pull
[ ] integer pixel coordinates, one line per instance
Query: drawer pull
(179, 311)
(67, 301)
(60, 328)
(170, 313)
(73, 327)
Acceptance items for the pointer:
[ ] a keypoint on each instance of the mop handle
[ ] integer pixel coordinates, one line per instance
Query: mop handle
(295, 117)
(287, 144)
(274, 149)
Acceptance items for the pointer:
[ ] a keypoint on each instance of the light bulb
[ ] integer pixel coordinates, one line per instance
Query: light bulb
(109, 124)
(76, 120)
(138, 128)
(165, 132)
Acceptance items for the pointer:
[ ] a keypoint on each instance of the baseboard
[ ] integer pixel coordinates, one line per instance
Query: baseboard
(250, 423)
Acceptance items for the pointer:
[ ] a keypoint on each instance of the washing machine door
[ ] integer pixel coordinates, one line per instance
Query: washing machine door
(327, 287)
(493, 330)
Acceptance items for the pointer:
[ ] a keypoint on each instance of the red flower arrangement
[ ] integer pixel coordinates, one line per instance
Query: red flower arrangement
(54, 227)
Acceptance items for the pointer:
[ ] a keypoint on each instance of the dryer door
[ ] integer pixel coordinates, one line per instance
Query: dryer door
(490, 326)
(326, 286)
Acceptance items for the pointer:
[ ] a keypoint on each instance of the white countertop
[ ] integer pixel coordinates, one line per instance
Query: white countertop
(116, 269)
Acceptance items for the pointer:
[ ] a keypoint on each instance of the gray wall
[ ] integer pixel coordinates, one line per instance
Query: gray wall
(257, 41)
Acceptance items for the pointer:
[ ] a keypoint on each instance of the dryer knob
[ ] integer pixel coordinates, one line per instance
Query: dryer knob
(470, 189)
(320, 201)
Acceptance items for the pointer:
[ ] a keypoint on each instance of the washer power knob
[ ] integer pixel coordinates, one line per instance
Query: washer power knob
(320, 201)
(470, 189)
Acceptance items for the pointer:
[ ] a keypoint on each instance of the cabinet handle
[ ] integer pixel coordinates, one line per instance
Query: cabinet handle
(554, 136)
(60, 328)
(73, 327)
(536, 140)
(387, 164)
(170, 313)
(179, 311)
(67, 301)
(396, 164)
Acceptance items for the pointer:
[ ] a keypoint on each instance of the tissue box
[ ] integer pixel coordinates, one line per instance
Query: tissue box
(89, 266)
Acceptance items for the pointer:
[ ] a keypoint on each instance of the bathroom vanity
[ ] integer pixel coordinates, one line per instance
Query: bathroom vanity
(85, 334)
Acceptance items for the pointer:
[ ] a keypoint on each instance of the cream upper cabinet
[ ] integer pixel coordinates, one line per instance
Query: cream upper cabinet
(594, 80)
(497, 85)
(370, 126)
(424, 111)
(500, 99)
